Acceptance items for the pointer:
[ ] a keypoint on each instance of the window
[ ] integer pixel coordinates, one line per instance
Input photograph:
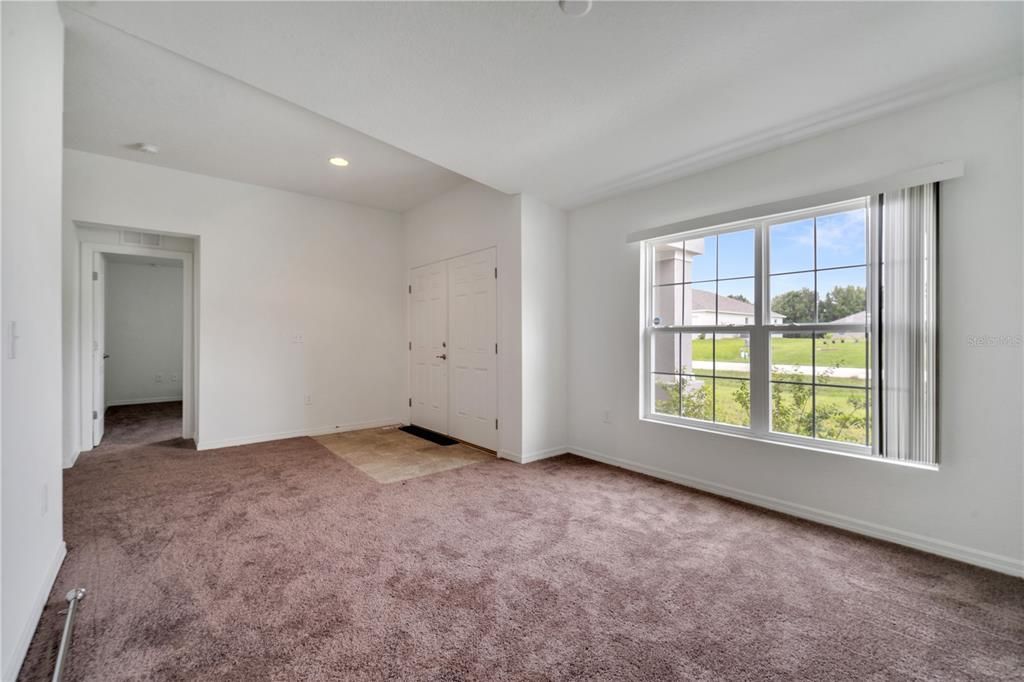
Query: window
(764, 327)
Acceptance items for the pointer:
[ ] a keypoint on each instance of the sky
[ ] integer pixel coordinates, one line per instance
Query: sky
(840, 243)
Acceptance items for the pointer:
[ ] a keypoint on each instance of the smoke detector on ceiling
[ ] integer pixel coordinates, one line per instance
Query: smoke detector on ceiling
(576, 8)
(146, 148)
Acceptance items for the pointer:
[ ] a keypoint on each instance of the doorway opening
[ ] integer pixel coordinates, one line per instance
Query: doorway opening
(454, 348)
(137, 346)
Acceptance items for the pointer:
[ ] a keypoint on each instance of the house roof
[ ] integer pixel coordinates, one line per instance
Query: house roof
(856, 318)
(705, 301)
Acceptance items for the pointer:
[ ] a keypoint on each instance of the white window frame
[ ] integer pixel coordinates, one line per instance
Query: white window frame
(760, 332)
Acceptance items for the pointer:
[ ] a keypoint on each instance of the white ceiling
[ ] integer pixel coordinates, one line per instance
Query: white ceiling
(525, 99)
(120, 90)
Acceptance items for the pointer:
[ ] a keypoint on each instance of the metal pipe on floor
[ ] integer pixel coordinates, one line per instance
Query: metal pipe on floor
(74, 596)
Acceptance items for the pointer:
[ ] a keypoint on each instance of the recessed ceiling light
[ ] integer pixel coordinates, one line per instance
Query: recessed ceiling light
(576, 8)
(338, 161)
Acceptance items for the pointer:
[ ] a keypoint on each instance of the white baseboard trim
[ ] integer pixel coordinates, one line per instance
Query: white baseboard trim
(298, 433)
(969, 555)
(532, 456)
(542, 454)
(70, 459)
(144, 401)
(29, 629)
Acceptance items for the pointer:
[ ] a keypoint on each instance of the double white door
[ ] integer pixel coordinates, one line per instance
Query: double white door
(454, 348)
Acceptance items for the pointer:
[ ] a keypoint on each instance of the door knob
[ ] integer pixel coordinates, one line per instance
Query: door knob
(442, 356)
(106, 355)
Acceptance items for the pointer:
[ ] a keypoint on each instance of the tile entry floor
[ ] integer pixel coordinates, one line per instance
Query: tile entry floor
(388, 455)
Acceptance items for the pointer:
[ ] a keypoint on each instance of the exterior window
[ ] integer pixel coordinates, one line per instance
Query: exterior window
(765, 327)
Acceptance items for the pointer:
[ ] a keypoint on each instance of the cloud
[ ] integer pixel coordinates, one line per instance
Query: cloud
(841, 233)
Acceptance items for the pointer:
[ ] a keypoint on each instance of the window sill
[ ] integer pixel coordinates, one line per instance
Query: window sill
(783, 441)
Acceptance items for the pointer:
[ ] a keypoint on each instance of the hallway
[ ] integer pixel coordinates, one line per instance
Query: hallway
(148, 424)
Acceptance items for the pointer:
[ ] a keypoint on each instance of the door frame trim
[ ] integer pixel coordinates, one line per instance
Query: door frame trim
(189, 370)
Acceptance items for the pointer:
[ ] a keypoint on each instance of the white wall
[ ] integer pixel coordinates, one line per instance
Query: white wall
(272, 267)
(143, 332)
(972, 507)
(31, 545)
(545, 330)
(470, 218)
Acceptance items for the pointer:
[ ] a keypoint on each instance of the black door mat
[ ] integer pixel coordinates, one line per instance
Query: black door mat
(427, 434)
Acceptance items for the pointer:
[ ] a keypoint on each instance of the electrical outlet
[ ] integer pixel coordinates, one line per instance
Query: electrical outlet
(174, 378)
(159, 378)
(298, 338)
(309, 399)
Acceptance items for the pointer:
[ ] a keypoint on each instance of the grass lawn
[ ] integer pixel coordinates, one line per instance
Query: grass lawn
(852, 353)
(804, 379)
(839, 409)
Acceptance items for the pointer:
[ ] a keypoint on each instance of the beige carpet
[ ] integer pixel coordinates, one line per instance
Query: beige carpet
(388, 455)
(280, 561)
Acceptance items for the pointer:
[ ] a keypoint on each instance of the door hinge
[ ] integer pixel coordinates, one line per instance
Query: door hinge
(495, 273)
(495, 349)
(410, 345)
(410, 288)
(495, 423)
(95, 415)
(410, 402)
(95, 276)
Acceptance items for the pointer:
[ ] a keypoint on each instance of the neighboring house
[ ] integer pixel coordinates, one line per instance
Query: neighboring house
(860, 318)
(856, 318)
(730, 310)
(674, 264)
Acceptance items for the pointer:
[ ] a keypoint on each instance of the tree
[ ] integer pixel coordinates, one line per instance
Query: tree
(797, 305)
(793, 410)
(842, 301)
(689, 398)
(739, 297)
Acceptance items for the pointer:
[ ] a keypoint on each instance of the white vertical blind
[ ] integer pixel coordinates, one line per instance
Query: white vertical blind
(908, 345)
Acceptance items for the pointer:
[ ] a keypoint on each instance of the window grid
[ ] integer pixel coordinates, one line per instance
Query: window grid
(759, 335)
(712, 379)
(814, 383)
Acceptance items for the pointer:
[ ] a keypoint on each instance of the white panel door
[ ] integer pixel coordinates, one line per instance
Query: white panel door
(472, 349)
(99, 343)
(429, 320)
